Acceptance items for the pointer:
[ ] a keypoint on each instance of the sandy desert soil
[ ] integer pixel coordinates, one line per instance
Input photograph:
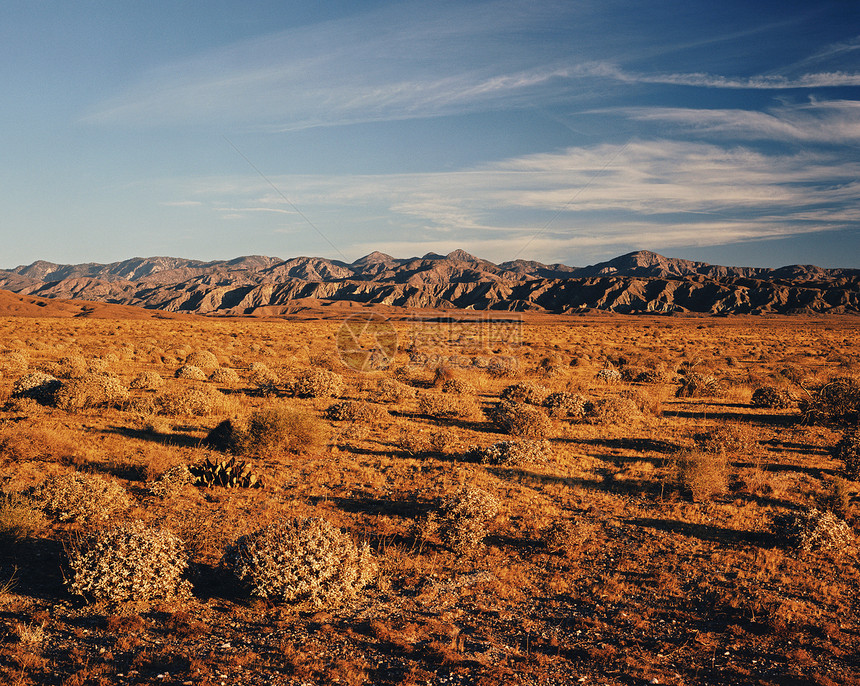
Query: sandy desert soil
(634, 540)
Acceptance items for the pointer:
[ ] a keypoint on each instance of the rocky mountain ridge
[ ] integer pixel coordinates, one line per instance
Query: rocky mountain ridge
(637, 282)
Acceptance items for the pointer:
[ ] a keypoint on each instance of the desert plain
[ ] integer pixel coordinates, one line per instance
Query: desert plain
(518, 499)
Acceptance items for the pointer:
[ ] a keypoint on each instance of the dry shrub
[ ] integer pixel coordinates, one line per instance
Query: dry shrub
(563, 405)
(524, 452)
(391, 391)
(550, 366)
(447, 405)
(730, 438)
(519, 419)
(524, 392)
(702, 474)
(147, 381)
(71, 366)
(503, 367)
(196, 401)
(356, 411)
(37, 386)
(14, 362)
(812, 529)
(262, 378)
(190, 372)
(613, 410)
(442, 374)
(837, 401)
(90, 390)
(271, 431)
(566, 536)
(837, 497)
(318, 383)
(20, 517)
(696, 385)
(462, 518)
(202, 359)
(171, 483)
(81, 497)
(772, 397)
(130, 562)
(34, 443)
(421, 442)
(224, 375)
(647, 403)
(848, 451)
(301, 559)
(458, 387)
(609, 375)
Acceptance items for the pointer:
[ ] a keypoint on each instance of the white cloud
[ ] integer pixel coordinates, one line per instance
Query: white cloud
(821, 122)
(653, 194)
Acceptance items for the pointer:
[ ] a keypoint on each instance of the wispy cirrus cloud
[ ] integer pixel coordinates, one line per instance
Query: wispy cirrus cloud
(835, 122)
(416, 61)
(660, 193)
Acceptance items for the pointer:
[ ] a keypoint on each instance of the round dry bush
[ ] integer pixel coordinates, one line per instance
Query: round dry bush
(260, 376)
(613, 410)
(203, 359)
(503, 367)
(422, 442)
(391, 391)
(524, 452)
(172, 482)
(563, 405)
(190, 372)
(564, 536)
(696, 385)
(356, 411)
(82, 497)
(318, 383)
(647, 403)
(458, 387)
(771, 397)
(848, 451)
(730, 437)
(14, 363)
(808, 530)
(702, 474)
(90, 390)
(519, 419)
(71, 366)
(197, 401)
(37, 386)
(524, 392)
(225, 376)
(447, 405)
(20, 517)
(837, 401)
(130, 562)
(147, 381)
(463, 518)
(272, 431)
(301, 559)
(98, 365)
(608, 375)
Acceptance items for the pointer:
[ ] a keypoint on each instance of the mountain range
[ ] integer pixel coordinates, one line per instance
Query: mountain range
(637, 282)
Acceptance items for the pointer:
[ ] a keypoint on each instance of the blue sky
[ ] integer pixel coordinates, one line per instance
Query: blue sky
(558, 131)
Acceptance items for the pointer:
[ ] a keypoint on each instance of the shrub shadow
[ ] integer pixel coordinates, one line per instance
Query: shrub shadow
(34, 564)
(707, 532)
(175, 440)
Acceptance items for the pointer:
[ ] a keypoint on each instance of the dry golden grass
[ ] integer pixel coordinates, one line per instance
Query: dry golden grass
(635, 544)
